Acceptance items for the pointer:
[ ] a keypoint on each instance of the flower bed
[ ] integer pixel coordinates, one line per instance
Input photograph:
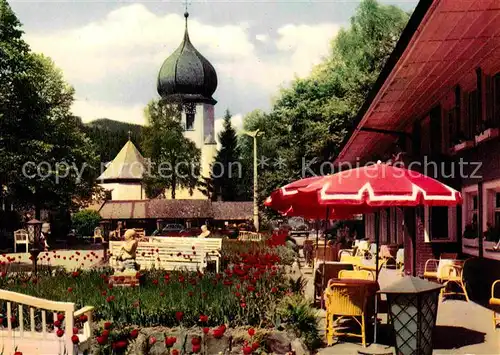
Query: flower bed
(252, 291)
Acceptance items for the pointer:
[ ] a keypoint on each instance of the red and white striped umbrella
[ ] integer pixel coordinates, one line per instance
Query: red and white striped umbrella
(288, 202)
(379, 185)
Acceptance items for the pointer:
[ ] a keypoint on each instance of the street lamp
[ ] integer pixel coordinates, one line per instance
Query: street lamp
(34, 231)
(254, 135)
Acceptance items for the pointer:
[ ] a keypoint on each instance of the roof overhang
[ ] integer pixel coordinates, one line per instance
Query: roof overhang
(443, 44)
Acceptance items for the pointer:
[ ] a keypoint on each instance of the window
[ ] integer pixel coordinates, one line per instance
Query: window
(189, 121)
(439, 223)
(470, 212)
(370, 226)
(496, 110)
(472, 113)
(425, 136)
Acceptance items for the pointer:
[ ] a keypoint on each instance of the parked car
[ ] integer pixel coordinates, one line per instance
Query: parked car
(172, 230)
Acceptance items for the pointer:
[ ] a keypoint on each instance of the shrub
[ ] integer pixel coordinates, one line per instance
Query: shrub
(85, 221)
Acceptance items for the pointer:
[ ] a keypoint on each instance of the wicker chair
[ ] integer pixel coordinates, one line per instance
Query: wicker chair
(495, 303)
(326, 272)
(354, 260)
(453, 274)
(357, 274)
(343, 301)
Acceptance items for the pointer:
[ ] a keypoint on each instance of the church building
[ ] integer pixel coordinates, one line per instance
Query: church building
(189, 78)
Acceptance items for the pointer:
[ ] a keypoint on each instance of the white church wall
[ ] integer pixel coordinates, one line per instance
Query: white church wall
(125, 191)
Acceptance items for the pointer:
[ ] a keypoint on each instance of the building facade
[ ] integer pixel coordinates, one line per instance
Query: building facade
(436, 105)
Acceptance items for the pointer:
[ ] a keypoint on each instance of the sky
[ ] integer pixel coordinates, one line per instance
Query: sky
(111, 51)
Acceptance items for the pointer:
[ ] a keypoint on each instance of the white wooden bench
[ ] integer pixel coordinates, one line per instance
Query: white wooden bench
(21, 237)
(166, 256)
(250, 236)
(211, 246)
(35, 336)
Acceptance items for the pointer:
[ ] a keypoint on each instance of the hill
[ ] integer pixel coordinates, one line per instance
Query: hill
(110, 136)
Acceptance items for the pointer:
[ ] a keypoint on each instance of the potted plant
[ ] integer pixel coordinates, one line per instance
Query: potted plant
(485, 132)
(461, 142)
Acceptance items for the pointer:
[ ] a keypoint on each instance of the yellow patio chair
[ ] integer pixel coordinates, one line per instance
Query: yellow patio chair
(343, 301)
(431, 269)
(453, 274)
(357, 274)
(495, 302)
(354, 260)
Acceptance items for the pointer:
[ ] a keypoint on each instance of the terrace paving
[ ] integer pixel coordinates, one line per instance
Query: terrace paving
(462, 327)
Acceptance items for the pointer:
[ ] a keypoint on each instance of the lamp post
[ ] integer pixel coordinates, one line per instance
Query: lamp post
(254, 135)
(34, 230)
(105, 225)
(412, 310)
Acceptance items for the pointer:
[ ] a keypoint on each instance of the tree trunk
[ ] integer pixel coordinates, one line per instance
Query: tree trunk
(173, 185)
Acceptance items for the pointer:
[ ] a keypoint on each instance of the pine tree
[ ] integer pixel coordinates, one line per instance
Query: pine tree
(226, 169)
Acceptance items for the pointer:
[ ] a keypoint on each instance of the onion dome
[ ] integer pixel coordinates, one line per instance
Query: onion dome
(186, 74)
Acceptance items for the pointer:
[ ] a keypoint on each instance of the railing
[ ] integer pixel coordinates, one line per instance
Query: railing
(28, 327)
(171, 253)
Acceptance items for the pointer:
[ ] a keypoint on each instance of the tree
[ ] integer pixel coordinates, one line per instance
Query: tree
(85, 221)
(225, 170)
(45, 159)
(175, 160)
(309, 119)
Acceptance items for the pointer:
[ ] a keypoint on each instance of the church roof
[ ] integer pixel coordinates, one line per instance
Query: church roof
(168, 209)
(129, 164)
(187, 74)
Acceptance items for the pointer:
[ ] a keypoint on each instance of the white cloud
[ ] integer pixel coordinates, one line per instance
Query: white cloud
(90, 110)
(131, 38)
(262, 38)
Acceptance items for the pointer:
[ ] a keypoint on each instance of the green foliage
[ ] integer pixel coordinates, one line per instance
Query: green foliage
(310, 119)
(45, 159)
(175, 160)
(299, 316)
(110, 136)
(226, 173)
(85, 221)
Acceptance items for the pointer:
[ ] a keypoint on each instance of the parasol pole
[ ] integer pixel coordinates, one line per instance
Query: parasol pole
(377, 236)
(317, 239)
(324, 254)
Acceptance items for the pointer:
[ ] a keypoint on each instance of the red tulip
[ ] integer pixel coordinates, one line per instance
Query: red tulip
(170, 341)
(75, 339)
(83, 318)
(251, 332)
(75, 330)
(70, 289)
(152, 341)
(105, 333)
(206, 330)
(243, 305)
(203, 318)
(196, 341)
(121, 344)
(196, 349)
(247, 350)
(57, 324)
(134, 334)
(18, 353)
(60, 333)
(174, 352)
(155, 282)
(179, 316)
(102, 340)
(107, 325)
(255, 345)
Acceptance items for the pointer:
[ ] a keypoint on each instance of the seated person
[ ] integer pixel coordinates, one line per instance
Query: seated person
(205, 233)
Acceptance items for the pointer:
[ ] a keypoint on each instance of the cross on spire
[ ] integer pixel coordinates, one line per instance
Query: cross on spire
(186, 4)
(129, 135)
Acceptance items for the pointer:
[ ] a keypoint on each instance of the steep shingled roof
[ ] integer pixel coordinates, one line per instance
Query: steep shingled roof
(129, 164)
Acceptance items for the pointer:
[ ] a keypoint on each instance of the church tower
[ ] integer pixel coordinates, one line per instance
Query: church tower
(188, 77)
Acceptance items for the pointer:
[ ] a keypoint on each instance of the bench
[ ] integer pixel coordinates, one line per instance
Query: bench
(21, 237)
(161, 255)
(211, 246)
(37, 336)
